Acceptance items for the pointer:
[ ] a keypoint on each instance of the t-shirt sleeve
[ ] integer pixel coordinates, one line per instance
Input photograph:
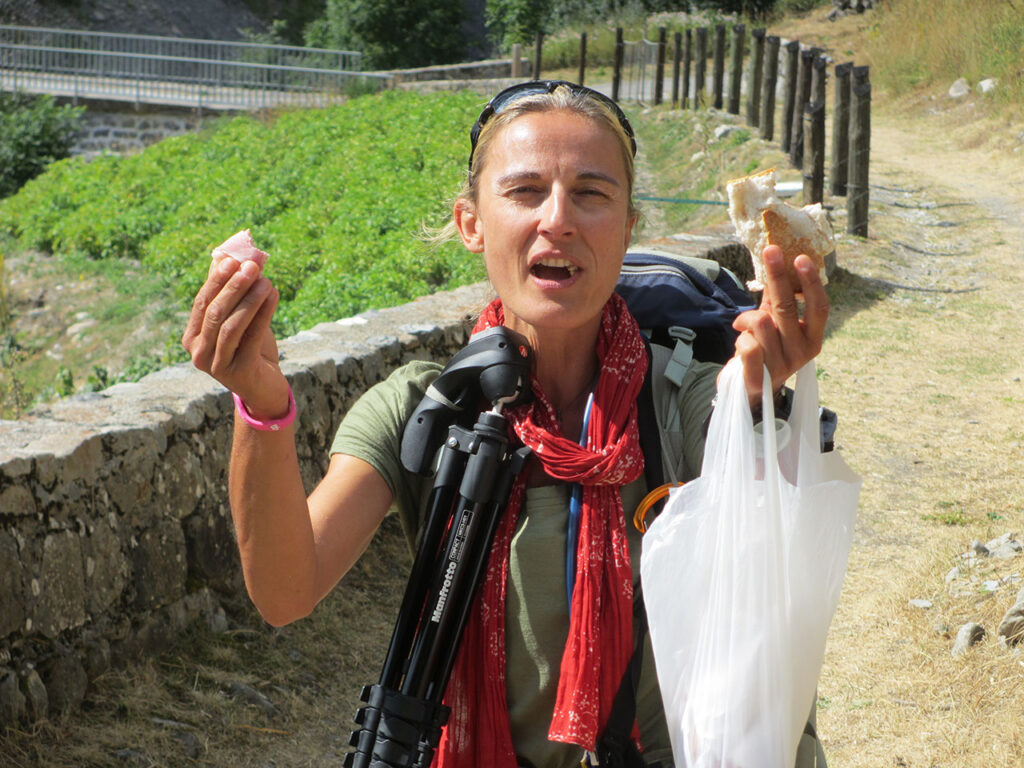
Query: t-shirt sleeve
(372, 431)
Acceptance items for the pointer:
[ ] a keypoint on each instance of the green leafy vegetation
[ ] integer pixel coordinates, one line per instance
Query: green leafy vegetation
(337, 196)
(34, 131)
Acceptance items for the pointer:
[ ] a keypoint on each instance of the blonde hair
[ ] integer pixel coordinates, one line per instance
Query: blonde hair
(561, 98)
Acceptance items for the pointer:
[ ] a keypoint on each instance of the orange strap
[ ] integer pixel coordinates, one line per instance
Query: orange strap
(652, 498)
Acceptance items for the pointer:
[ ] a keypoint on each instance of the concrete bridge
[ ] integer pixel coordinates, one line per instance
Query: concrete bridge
(177, 72)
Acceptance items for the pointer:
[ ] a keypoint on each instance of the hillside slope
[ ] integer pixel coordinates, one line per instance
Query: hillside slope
(212, 19)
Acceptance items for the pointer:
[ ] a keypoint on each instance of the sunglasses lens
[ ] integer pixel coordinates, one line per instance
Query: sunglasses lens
(516, 92)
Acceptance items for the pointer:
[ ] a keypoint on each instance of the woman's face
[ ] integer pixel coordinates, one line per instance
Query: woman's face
(551, 219)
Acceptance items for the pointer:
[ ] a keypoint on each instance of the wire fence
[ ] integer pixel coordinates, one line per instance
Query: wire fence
(639, 71)
(179, 71)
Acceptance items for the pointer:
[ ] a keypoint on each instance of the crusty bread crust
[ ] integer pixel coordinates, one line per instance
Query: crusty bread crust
(762, 219)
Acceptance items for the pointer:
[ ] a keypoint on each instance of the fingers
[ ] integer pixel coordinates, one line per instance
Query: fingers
(816, 304)
(786, 339)
(751, 354)
(778, 296)
(222, 313)
(216, 280)
(252, 346)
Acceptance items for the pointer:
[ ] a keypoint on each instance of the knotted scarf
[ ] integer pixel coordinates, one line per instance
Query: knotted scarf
(600, 640)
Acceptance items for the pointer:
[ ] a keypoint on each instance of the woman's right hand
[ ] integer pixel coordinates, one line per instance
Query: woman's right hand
(228, 336)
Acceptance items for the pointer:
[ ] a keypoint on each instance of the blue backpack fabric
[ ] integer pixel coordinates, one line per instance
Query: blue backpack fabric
(668, 293)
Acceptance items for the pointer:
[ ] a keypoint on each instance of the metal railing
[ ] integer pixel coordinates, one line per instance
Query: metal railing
(181, 71)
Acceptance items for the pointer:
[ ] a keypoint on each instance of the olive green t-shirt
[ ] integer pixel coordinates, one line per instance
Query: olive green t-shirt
(536, 615)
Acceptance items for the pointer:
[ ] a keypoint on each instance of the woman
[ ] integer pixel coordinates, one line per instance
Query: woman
(548, 204)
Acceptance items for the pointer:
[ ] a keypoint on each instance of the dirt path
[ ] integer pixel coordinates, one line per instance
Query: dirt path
(922, 364)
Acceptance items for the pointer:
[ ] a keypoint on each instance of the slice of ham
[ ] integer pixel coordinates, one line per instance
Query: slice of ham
(241, 248)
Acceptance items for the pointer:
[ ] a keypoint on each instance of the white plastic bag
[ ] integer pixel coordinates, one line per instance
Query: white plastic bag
(741, 576)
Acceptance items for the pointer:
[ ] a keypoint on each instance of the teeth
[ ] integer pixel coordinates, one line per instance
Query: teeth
(560, 263)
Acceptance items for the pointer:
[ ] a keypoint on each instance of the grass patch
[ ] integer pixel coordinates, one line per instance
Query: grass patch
(913, 43)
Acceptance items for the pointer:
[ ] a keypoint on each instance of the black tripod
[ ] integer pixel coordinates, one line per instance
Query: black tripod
(400, 724)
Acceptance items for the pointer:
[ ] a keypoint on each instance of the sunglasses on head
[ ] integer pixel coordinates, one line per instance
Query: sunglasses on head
(516, 92)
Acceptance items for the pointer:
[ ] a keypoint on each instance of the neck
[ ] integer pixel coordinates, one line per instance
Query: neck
(565, 366)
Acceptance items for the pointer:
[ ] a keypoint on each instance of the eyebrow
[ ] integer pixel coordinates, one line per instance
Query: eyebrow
(518, 176)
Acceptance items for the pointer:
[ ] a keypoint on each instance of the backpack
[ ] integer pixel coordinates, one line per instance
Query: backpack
(669, 294)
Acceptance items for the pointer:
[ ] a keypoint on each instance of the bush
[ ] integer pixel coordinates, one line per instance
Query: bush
(34, 132)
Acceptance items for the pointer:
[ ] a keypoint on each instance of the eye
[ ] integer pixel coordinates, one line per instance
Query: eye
(593, 193)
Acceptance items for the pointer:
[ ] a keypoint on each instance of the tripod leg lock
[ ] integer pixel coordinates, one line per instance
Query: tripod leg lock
(397, 730)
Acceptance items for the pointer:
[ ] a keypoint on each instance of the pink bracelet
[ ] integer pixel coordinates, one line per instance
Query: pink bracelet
(274, 425)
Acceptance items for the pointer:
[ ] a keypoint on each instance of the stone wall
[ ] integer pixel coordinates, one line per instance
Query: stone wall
(115, 531)
(127, 130)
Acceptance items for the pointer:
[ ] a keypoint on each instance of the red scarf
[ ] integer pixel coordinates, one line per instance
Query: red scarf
(600, 640)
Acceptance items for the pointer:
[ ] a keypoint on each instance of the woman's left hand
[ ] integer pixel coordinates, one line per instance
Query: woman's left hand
(775, 334)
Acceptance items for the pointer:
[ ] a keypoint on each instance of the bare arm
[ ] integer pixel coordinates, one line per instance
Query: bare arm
(293, 550)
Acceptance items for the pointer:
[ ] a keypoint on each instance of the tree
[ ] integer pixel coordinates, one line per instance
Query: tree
(517, 21)
(392, 34)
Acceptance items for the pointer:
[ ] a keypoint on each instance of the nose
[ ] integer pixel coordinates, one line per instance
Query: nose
(557, 218)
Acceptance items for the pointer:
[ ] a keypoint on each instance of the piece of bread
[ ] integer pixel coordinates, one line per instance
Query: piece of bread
(241, 248)
(762, 219)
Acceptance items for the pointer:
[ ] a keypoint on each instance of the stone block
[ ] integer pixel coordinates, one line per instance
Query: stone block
(106, 567)
(17, 501)
(60, 602)
(37, 704)
(65, 681)
(180, 479)
(213, 552)
(158, 565)
(12, 587)
(16, 468)
(12, 700)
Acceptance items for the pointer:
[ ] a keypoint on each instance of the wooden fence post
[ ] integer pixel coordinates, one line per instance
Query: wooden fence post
(537, 47)
(792, 57)
(860, 151)
(819, 76)
(841, 130)
(617, 67)
(739, 34)
(814, 154)
(583, 55)
(718, 66)
(754, 73)
(659, 71)
(803, 95)
(687, 55)
(769, 83)
(677, 55)
(700, 65)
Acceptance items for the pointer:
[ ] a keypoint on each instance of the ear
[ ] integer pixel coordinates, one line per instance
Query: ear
(469, 225)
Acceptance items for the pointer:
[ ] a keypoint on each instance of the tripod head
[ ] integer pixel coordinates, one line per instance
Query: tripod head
(494, 366)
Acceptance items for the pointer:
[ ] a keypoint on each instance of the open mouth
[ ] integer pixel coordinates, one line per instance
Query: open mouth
(554, 269)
